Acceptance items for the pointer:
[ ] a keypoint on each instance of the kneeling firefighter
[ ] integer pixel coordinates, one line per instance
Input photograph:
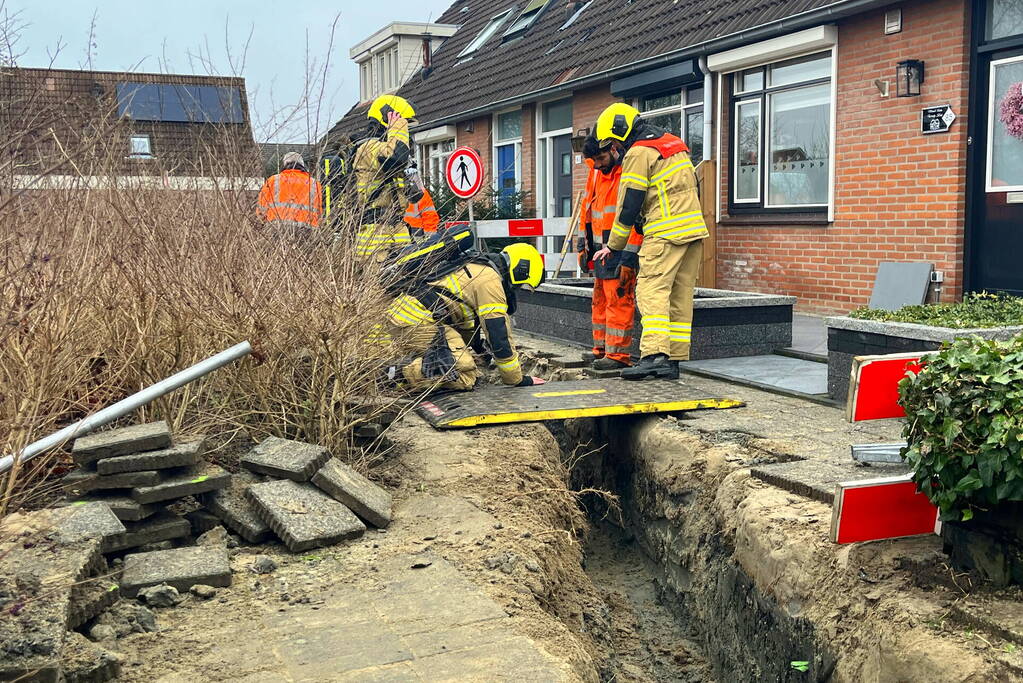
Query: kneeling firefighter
(381, 166)
(450, 298)
(658, 191)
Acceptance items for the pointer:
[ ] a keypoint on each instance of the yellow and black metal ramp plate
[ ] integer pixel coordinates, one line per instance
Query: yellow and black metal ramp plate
(559, 400)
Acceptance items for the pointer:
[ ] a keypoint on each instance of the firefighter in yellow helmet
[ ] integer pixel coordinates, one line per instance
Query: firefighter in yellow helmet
(380, 166)
(657, 193)
(467, 304)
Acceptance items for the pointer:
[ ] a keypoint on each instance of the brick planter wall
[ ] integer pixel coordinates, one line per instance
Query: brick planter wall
(848, 337)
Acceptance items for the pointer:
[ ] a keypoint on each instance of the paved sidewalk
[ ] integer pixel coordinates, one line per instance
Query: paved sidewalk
(809, 334)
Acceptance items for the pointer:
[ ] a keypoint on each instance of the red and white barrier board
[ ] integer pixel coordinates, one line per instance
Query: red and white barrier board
(876, 509)
(533, 230)
(874, 385)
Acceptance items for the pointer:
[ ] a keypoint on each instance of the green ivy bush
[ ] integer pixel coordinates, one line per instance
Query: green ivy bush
(974, 311)
(964, 425)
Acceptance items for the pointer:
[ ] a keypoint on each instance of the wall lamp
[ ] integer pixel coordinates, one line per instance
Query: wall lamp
(908, 77)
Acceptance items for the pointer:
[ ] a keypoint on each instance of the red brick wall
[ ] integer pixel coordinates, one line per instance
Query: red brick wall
(528, 163)
(586, 107)
(479, 139)
(899, 194)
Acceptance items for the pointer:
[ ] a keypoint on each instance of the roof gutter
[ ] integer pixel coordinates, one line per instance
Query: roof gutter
(837, 10)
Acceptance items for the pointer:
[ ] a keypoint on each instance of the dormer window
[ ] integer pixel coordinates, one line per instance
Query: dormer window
(489, 30)
(529, 14)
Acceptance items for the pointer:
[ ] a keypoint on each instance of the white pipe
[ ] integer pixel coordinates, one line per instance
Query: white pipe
(708, 110)
(125, 406)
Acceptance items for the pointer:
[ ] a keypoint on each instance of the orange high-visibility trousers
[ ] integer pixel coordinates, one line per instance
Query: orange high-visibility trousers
(613, 316)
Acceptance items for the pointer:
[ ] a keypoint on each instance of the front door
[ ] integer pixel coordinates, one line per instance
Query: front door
(996, 211)
(562, 147)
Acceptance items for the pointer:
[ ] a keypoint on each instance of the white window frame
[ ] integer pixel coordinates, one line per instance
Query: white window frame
(395, 69)
(517, 141)
(430, 151)
(735, 148)
(684, 109)
(765, 127)
(132, 154)
(989, 165)
(488, 32)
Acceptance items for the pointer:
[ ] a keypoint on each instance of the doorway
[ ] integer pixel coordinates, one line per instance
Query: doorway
(995, 204)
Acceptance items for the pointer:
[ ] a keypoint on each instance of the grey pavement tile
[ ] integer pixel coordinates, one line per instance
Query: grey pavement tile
(328, 651)
(793, 374)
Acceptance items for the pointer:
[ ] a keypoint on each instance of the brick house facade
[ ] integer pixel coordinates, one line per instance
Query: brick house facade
(849, 178)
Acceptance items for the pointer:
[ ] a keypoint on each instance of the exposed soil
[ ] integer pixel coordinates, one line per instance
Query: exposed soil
(649, 643)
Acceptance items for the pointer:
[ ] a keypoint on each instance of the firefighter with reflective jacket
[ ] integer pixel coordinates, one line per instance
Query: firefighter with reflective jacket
(292, 199)
(658, 191)
(380, 165)
(614, 286)
(468, 307)
(422, 216)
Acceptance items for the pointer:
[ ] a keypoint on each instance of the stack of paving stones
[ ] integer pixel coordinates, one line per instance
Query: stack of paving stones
(131, 479)
(299, 493)
(138, 471)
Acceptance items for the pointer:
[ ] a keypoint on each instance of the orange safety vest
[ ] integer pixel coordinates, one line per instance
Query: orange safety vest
(599, 208)
(293, 196)
(423, 214)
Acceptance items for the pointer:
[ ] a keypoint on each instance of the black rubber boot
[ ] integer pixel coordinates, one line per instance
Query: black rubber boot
(657, 366)
(606, 363)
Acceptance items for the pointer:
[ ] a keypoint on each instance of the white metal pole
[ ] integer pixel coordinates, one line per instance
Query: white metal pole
(127, 405)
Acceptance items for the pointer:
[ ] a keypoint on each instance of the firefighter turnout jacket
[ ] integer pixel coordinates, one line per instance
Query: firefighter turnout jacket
(379, 167)
(291, 197)
(422, 215)
(659, 188)
(474, 302)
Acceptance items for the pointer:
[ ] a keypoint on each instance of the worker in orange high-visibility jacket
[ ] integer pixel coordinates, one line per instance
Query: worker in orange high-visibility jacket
(422, 216)
(614, 286)
(292, 199)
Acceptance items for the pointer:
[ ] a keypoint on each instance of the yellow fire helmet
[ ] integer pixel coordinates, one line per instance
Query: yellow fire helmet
(386, 103)
(525, 265)
(615, 123)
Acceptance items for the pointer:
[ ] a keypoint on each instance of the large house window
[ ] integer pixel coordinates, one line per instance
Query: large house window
(507, 155)
(781, 134)
(433, 158)
(679, 112)
(366, 81)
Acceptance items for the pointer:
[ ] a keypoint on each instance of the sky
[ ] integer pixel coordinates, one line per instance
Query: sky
(210, 36)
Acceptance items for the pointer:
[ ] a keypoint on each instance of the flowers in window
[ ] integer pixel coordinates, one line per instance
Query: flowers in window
(1011, 111)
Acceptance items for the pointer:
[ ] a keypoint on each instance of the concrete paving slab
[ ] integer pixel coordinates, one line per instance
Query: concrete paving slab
(83, 481)
(285, 458)
(86, 662)
(238, 513)
(207, 477)
(184, 454)
(125, 508)
(132, 439)
(91, 597)
(302, 516)
(809, 334)
(817, 479)
(87, 520)
(356, 492)
(181, 568)
(791, 374)
(162, 527)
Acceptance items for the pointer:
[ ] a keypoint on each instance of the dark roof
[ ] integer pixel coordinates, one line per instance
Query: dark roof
(608, 35)
(39, 107)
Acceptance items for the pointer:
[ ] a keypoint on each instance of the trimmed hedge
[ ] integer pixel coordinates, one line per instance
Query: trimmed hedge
(974, 311)
(964, 425)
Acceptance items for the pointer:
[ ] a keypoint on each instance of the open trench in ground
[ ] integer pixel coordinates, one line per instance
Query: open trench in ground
(627, 549)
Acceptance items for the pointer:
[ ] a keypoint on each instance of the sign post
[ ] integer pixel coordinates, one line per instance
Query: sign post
(464, 175)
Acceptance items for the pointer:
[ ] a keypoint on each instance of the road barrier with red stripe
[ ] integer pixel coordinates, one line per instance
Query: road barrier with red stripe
(531, 229)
